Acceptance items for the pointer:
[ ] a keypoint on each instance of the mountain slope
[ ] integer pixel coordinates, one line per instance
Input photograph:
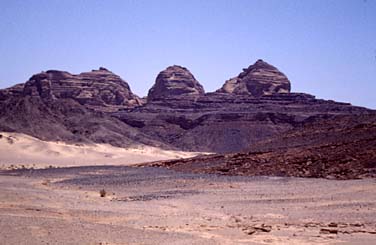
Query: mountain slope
(51, 109)
(342, 147)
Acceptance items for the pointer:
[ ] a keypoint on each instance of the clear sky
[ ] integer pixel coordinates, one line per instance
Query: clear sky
(326, 48)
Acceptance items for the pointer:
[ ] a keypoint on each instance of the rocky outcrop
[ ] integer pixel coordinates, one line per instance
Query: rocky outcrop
(57, 105)
(258, 79)
(98, 89)
(174, 81)
(221, 122)
(98, 106)
(15, 90)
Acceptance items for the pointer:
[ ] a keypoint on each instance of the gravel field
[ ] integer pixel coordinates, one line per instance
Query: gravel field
(145, 205)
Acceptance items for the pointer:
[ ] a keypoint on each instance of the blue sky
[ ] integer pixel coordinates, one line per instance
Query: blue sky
(326, 48)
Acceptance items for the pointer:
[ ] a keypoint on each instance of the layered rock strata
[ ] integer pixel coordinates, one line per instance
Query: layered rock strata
(98, 106)
(173, 81)
(258, 79)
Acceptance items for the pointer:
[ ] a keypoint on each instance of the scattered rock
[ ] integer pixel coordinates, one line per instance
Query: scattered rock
(263, 228)
(252, 229)
(332, 224)
(328, 231)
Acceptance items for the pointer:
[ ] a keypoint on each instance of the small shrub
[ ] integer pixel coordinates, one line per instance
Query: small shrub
(10, 140)
(102, 193)
(46, 182)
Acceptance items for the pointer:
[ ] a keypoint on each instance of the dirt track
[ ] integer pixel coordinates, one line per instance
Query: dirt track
(159, 206)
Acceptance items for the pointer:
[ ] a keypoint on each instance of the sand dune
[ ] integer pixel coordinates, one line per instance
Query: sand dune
(20, 149)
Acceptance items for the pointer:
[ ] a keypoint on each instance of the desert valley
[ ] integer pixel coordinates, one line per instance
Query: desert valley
(84, 160)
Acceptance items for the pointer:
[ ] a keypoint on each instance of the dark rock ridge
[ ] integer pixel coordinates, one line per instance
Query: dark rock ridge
(69, 121)
(340, 147)
(99, 89)
(15, 90)
(57, 105)
(99, 106)
(218, 122)
(257, 80)
(175, 80)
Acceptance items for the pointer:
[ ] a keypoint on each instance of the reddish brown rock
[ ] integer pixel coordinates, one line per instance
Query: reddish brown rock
(15, 90)
(99, 107)
(258, 79)
(57, 105)
(98, 89)
(333, 147)
(174, 81)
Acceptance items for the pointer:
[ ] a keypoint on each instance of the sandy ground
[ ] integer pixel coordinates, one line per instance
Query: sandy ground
(159, 206)
(20, 149)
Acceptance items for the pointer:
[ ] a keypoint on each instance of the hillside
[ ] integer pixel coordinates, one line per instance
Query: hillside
(342, 147)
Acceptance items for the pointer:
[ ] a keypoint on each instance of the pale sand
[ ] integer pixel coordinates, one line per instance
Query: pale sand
(158, 206)
(20, 149)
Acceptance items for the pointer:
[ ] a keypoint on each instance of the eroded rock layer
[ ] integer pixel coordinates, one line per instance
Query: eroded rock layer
(217, 122)
(98, 106)
(98, 89)
(56, 105)
(175, 80)
(258, 79)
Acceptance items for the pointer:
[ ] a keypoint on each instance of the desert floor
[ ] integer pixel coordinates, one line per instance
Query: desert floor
(159, 206)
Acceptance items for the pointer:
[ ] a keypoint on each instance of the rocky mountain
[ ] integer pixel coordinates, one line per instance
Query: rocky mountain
(56, 105)
(98, 106)
(257, 80)
(98, 89)
(217, 122)
(15, 90)
(173, 81)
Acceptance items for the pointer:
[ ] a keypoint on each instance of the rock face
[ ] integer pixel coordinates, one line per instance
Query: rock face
(257, 80)
(221, 122)
(99, 106)
(57, 105)
(98, 89)
(174, 81)
(15, 90)
(67, 120)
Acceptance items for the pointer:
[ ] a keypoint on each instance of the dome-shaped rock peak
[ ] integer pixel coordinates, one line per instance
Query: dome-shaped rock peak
(173, 81)
(258, 79)
(97, 88)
